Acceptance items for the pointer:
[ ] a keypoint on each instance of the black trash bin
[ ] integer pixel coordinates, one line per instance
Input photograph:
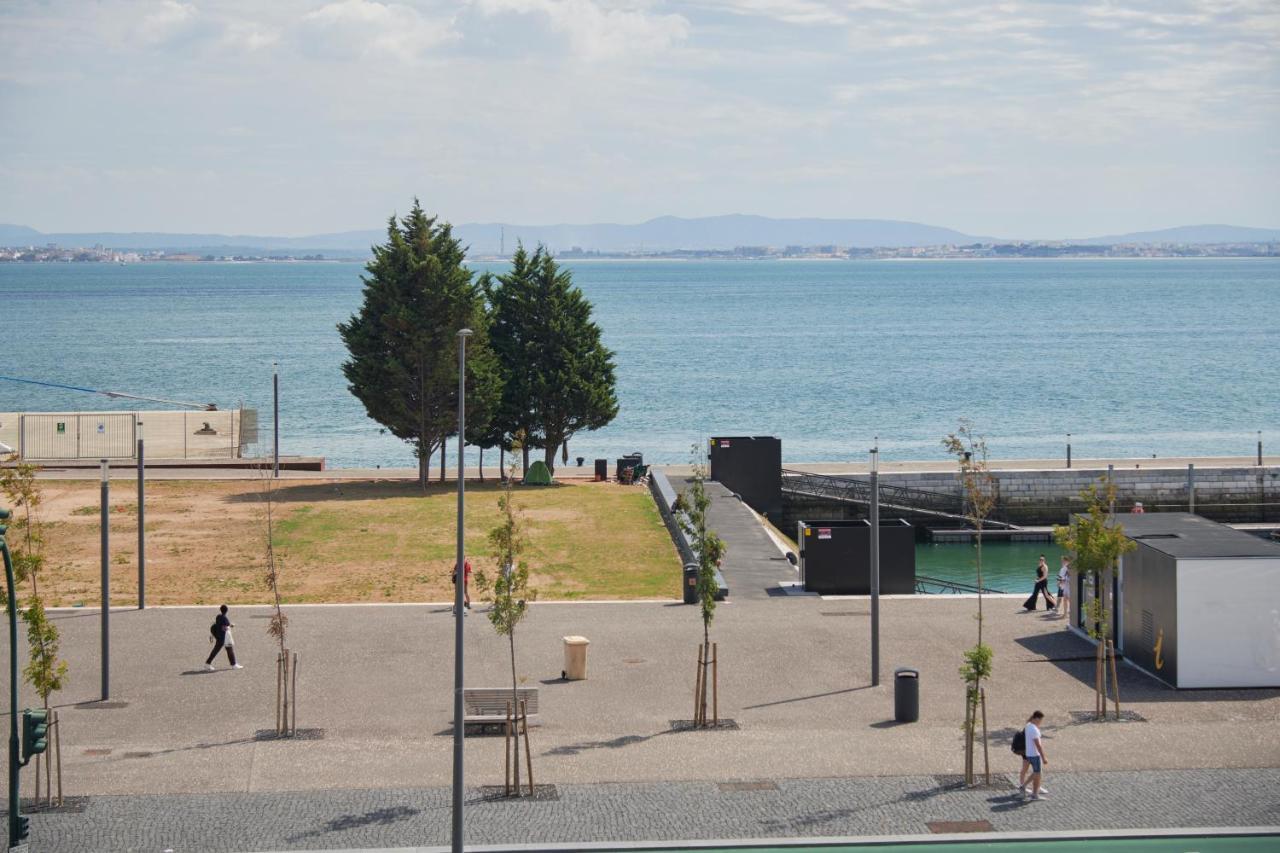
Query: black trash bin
(602, 469)
(690, 583)
(906, 694)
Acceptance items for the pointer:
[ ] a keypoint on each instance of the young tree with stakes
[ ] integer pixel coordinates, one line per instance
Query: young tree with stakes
(980, 493)
(45, 671)
(286, 660)
(691, 513)
(1096, 541)
(509, 592)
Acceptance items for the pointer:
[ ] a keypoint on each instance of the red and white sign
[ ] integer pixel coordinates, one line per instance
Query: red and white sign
(824, 532)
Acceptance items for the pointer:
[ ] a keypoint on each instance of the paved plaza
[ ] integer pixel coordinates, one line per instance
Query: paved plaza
(172, 760)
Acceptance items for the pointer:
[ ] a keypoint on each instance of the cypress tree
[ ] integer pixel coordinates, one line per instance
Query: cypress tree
(558, 378)
(402, 342)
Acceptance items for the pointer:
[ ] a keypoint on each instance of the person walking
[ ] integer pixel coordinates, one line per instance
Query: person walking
(1035, 758)
(1042, 586)
(466, 584)
(1064, 589)
(220, 633)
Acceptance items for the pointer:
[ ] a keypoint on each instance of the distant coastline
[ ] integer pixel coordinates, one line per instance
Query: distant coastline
(996, 251)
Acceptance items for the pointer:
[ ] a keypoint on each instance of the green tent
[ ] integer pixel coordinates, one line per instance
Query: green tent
(538, 474)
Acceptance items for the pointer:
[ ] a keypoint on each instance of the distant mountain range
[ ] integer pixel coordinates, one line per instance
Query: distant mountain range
(666, 233)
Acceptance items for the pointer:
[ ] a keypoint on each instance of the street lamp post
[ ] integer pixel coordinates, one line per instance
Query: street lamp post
(13, 684)
(875, 564)
(275, 418)
(105, 524)
(142, 524)
(1068, 450)
(460, 582)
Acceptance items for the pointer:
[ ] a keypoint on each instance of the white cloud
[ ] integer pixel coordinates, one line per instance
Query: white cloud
(350, 29)
(598, 33)
(168, 19)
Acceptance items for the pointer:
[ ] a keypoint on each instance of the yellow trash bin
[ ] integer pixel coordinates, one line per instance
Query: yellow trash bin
(575, 658)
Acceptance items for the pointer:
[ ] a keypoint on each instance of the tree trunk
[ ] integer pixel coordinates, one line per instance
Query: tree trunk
(564, 452)
(424, 459)
(549, 456)
(524, 450)
(443, 443)
(482, 464)
(502, 463)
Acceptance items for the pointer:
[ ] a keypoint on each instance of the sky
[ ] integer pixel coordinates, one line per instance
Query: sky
(293, 117)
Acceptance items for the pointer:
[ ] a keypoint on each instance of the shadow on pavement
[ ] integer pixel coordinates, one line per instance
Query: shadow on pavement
(806, 698)
(1075, 656)
(377, 817)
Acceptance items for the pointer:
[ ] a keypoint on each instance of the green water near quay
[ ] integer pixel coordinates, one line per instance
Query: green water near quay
(1006, 566)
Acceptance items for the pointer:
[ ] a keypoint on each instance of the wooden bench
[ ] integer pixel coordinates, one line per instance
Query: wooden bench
(487, 706)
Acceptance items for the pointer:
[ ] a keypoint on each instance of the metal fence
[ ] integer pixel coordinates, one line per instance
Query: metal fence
(114, 435)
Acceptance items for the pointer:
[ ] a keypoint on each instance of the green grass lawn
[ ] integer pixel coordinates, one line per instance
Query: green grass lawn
(390, 542)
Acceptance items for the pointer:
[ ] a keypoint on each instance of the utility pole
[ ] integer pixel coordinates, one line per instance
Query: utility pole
(459, 586)
(875, 564)
(142, 524)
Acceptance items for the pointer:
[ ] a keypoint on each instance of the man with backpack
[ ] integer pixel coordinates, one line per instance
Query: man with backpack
(1027, 743)
(220, 634)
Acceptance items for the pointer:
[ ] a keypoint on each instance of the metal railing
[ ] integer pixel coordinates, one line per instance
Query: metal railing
(923, 581)
(897, 498)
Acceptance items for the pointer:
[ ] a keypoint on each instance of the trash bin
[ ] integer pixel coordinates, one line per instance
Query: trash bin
(690, 583)
(575, 658)
(631, 460)
(602, 470)
(906, 694)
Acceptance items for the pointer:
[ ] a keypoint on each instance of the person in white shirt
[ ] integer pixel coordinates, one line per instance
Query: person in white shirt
(1064, 589)
(1035, 754)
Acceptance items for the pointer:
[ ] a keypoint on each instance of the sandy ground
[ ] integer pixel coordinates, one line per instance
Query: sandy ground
(343, 540)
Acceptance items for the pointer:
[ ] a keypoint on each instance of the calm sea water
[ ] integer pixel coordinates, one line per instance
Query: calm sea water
(1131, 357)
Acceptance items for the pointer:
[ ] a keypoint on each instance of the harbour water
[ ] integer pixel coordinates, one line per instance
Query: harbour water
(1006, 566)
(1133, 357)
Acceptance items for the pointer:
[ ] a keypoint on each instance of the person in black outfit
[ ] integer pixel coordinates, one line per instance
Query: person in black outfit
(221, 630)
(1042, 586)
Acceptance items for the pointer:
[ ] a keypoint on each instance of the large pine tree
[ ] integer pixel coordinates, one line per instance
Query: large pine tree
(402, 341)
(558, 376)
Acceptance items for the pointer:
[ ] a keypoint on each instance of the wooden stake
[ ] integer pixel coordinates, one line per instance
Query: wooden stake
(528, 752)
(1098, 708)
(1115, 679)
(506, 756)
(968, 739)
(715, 683)
(986, 754)
(57, 745)
(697, 687)
(279, 681)
(293, 694)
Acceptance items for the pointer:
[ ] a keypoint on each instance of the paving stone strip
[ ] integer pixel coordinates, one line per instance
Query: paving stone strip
(862, 806)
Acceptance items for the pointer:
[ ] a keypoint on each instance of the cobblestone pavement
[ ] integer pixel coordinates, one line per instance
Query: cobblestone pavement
(282, 820)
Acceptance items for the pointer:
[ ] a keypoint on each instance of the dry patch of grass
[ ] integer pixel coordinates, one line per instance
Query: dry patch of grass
(349, 541)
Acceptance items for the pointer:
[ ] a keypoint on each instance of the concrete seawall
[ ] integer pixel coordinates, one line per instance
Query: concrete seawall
(1049, 496)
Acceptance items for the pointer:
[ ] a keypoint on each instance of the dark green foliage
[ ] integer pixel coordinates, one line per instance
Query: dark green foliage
(403, 344)
(558, 376)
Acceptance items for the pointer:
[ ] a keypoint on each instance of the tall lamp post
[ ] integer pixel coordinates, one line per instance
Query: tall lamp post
(275, 418)
(142, 524)
(460, 582)
(13, 685)
(105, 524)
(875, 564)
